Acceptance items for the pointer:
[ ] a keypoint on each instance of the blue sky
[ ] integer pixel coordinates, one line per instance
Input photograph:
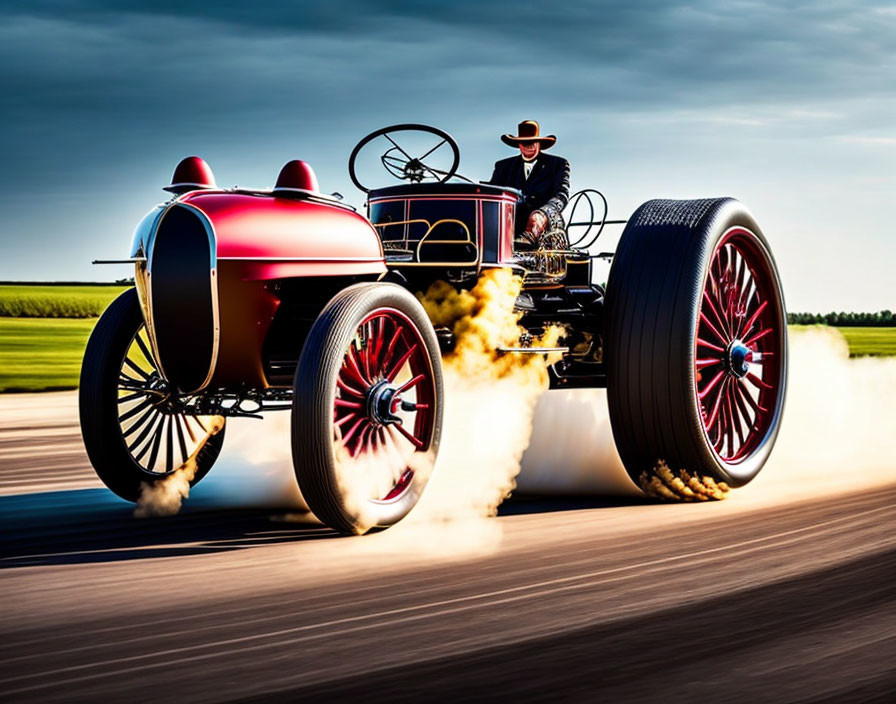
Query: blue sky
(790, 107)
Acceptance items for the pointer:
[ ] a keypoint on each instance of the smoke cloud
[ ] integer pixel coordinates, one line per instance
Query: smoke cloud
(571, 450)
(375, 472)
(255, 468)
(503, 432)
(839, 421)
(839, 418)
(490, 397)
(488, 404)
(165, 497)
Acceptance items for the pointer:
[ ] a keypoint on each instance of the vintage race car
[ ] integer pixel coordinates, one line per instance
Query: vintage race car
(249, 300)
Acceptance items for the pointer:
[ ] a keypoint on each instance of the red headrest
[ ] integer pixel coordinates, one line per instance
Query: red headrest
(297, 174)
(191, 173)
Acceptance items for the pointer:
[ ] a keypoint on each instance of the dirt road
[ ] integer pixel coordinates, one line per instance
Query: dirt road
(765, 598)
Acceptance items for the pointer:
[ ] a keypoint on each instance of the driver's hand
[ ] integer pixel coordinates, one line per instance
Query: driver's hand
(529, 238)
(538, 221)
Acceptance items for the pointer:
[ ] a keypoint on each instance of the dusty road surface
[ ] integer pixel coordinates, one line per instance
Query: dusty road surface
(766, 597)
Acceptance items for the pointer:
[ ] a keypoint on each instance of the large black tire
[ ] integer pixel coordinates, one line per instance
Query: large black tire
(125, 422)
(339, 426)
(664, 345)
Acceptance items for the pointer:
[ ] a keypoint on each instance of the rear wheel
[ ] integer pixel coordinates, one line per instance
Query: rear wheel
(367, 411)
(134, 431)
(696, 348)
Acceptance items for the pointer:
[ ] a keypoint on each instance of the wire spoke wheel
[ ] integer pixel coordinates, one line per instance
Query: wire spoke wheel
(696, 348)
(739, 350)
(367, 408)
(384, 403)
(136, 431)
(161, 435)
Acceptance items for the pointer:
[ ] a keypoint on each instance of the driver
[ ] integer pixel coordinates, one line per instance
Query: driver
(542, 178)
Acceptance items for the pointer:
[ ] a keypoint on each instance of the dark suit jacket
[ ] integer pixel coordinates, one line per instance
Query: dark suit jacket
(546, 189)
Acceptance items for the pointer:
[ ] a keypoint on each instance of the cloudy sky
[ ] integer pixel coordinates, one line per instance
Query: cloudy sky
(788, 106)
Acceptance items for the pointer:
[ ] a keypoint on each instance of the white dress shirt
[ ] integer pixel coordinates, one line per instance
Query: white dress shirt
(528, 166)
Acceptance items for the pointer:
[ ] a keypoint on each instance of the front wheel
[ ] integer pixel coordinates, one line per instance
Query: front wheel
(367, 408)
(136, 432)
(696, 348)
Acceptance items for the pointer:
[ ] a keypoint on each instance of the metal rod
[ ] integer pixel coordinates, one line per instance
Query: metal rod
(597, 222)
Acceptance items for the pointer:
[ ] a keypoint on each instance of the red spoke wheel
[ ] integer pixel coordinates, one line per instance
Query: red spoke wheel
(134, 430)
(696, 341)
(367, 410)
(739, 347)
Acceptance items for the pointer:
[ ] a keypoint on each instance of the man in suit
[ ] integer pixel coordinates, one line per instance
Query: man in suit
(542, 178)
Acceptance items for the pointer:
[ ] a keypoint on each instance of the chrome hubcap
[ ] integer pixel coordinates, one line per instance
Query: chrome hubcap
(738, 358)
(382, 402)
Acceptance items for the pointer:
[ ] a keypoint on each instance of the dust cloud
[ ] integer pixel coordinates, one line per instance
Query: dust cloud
(503, 432)
(255, 469)
(839, 422)
(489, 403)
(165, 497)
(375, 472)
(490, 397)
(836, 434)
(571, 449)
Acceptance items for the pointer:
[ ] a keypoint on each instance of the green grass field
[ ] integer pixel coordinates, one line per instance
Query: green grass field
(877, 342)
(26, 301)
(39, 354)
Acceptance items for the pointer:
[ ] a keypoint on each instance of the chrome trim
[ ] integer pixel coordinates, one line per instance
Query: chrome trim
(144, 236)
(298, 191)
(300, 259)
(514, 191)
(423, 240)
(143, 285)
(143, 231)
(459, 265)
(173, 187)
(213, 273)
(502, 265)
(533, 350)
(476, 261)
(132, 260)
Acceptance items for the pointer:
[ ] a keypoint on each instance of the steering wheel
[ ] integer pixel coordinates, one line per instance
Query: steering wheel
(399, 162)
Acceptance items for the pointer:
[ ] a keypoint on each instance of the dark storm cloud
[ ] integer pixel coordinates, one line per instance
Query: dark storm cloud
(122, 68)
(635, 53)
(105, 95)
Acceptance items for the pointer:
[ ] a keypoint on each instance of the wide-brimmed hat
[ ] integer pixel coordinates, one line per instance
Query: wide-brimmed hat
(528, 133)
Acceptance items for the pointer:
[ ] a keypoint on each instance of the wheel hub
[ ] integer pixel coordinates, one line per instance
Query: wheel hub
(382, 402)
(167, 402)
(737, 358)
(414, 170)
